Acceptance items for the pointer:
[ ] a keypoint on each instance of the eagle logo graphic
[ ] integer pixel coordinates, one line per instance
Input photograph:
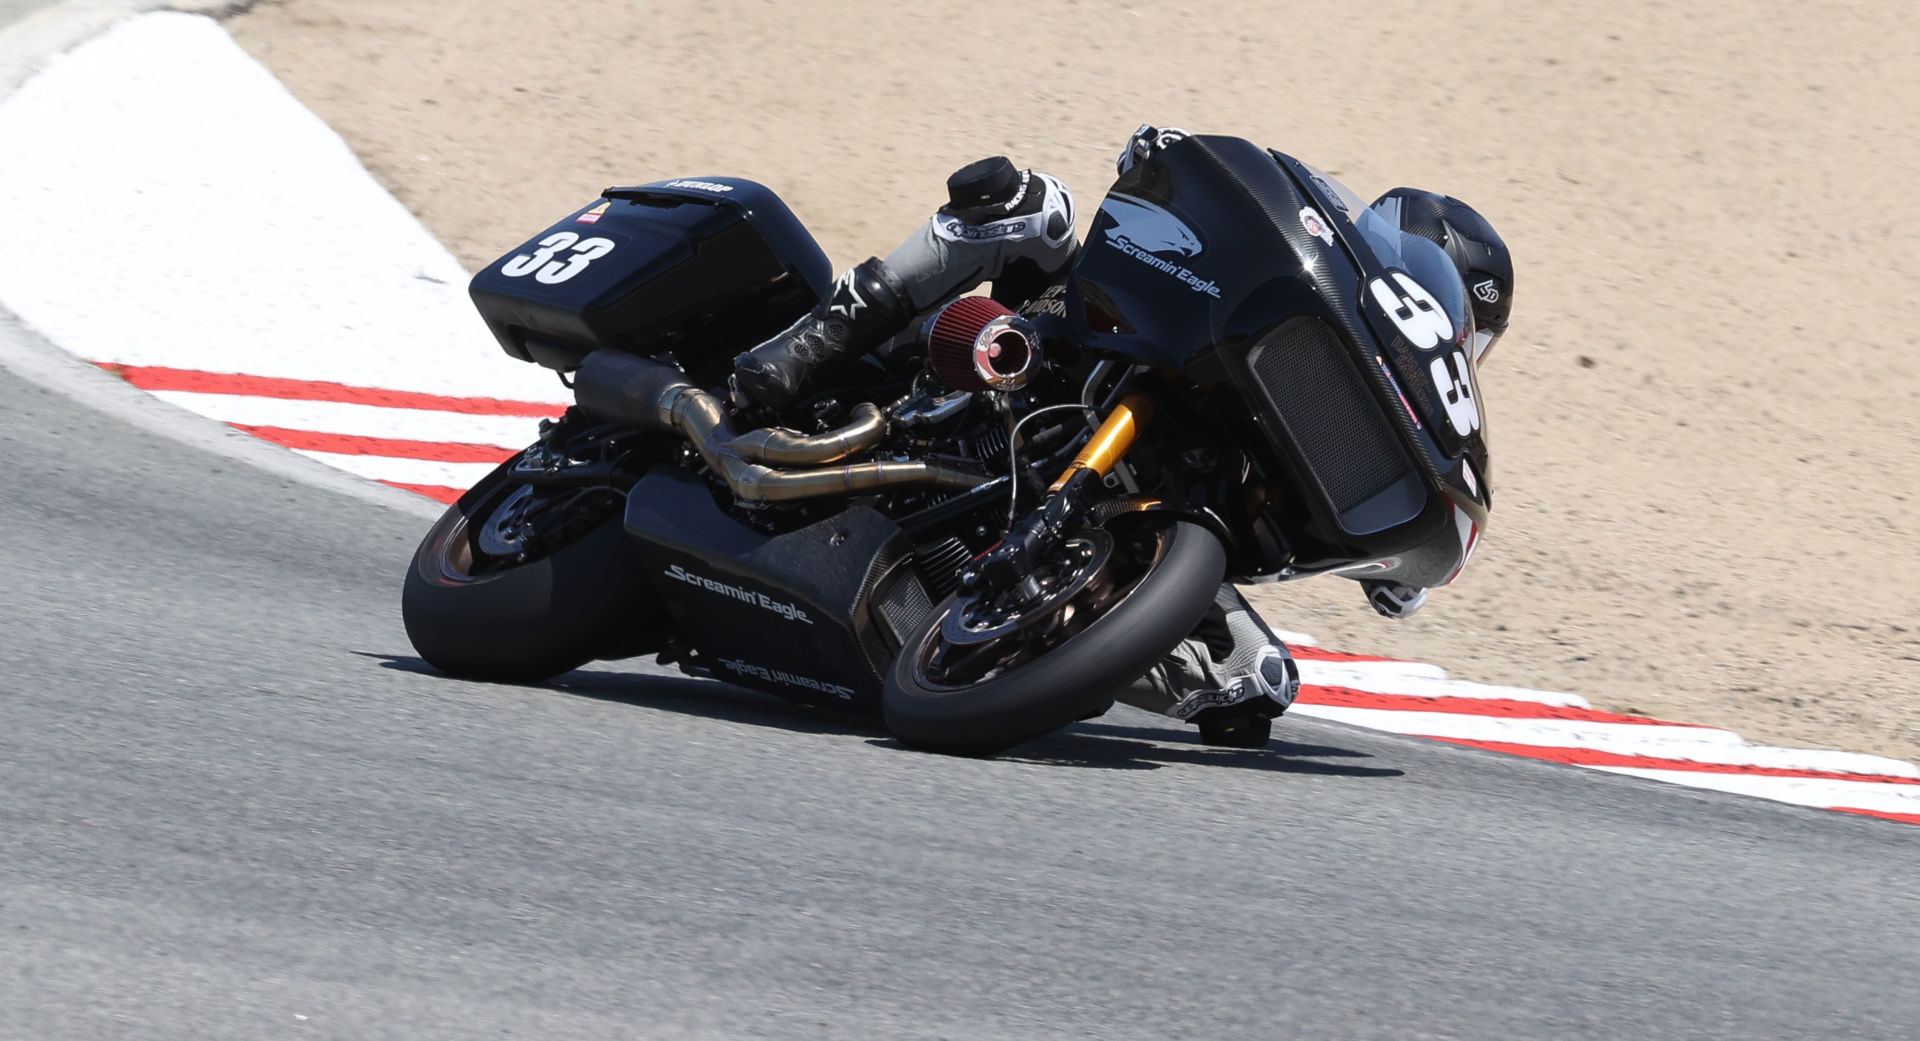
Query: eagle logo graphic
(1149, 227)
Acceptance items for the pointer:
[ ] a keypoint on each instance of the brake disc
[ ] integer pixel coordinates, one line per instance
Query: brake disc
(1036, 599)
(504, 533)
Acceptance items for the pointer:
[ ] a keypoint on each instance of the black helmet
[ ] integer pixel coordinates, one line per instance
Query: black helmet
(1470, 242)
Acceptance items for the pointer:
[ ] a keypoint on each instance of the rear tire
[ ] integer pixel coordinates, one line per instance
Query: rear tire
(1067, 682)
(583, 596)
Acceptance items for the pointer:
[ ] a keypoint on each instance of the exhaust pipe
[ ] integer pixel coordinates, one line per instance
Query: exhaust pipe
(625, 388)
(784, 447)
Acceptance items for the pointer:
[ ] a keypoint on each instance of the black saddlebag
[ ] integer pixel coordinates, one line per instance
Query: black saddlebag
(704, 268)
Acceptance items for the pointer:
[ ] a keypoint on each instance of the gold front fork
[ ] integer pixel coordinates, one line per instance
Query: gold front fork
(1111, 441)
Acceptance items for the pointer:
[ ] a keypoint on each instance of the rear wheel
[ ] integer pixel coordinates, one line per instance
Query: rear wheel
(519, 583)
(986, 673)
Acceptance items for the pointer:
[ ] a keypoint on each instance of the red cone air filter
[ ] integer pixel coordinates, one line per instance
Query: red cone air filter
(976, 344)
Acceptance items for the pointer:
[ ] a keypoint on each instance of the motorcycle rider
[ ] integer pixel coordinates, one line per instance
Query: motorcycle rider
(1014, 228)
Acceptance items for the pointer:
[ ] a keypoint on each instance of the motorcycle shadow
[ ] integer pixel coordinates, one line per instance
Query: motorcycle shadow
(1105, 744)
(1118, 746)
(672, 692)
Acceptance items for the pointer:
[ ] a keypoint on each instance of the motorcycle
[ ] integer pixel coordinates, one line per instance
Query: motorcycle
(985, 531)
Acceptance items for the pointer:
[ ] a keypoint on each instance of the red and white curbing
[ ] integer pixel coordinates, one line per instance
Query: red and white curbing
(1418, 699)
(428, 443)
(214, 243)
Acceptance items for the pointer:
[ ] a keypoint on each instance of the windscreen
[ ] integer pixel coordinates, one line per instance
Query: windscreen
(1425, 262)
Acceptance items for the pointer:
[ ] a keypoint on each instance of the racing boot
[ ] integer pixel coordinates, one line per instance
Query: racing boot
(1231, 678)
(867, 307)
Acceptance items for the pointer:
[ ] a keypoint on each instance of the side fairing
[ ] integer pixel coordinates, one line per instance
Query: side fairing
(1415, 305)
(1214, 254)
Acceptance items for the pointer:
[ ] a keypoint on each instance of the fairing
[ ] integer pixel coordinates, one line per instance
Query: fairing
(813, 615)
(1202, 253)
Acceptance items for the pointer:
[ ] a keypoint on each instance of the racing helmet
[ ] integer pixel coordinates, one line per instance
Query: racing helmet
(1485, 266)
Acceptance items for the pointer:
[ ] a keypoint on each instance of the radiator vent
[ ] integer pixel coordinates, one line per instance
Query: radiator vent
(904, 606)
(1322, 400)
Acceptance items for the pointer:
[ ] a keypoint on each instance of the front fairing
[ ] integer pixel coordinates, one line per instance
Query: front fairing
(1213, 242)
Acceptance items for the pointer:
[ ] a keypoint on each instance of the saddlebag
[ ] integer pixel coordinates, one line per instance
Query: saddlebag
(703, 268)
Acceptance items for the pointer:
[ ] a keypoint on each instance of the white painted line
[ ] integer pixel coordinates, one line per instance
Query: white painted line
(1689, 744)
(333, 417)
(1419, 679)
(405, 471)
(1802, 791)
(1362, 670)
(1621, 738)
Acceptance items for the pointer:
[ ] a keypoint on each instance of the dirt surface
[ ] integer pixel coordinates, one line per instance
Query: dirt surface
(1707, 413)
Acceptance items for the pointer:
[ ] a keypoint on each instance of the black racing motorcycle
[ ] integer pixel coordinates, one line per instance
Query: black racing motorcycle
(984, 532)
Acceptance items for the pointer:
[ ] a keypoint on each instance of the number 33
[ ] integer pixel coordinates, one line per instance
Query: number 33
(543, 266)
(1456, 391)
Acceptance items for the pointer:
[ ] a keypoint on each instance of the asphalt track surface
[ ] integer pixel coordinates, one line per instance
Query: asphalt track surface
(233, 799)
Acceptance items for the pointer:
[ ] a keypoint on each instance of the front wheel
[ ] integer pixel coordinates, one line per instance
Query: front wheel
(985, 673)
(519, 583)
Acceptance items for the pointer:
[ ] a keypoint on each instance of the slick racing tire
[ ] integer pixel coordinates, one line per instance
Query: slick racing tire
(519, 583)
(1160, 580)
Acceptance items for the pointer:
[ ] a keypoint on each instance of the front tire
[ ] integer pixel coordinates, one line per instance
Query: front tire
(1036, 690)
(519, 583)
